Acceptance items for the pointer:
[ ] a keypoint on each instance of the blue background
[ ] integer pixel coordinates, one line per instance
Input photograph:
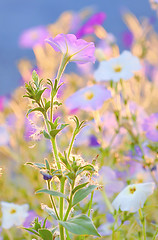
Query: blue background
(18, 15)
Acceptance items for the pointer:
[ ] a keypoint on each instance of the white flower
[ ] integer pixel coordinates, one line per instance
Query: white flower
(13, 214)
(121, 67)
(133, 197)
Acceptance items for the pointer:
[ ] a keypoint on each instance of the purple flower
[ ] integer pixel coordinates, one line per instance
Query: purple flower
(76, 50)
(127, 39)
(150, 126)
(88, 98)
(33, 36)
(89, 26)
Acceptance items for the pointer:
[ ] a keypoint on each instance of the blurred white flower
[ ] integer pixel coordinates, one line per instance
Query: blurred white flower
(13, 214)
(121, 67)
(133, 197)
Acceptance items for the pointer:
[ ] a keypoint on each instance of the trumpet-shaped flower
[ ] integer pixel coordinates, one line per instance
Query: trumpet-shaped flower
(150, 126)
(121, 67)
(13, 214)
(133, 197)
(88, 98)
(33, 36)
(76, 50)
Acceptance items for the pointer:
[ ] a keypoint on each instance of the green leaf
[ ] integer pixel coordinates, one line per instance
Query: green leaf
(79, 187)
(87, 167)
(82, 193)
(80, 225)
(47, 105)
(47, 164)
(53, 193)
(35, 76)
(45, 234)
(39, 94)
(54, 132)
(49, 211)
(36, 109)
(37, 165)
(46, 135)
(57, 103)
(32, 231)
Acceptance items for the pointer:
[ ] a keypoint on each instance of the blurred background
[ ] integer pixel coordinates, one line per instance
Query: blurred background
(19, 15)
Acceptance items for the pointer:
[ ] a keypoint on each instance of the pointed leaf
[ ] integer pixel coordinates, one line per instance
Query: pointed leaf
(79, 187)
(80, 225)
(45, 234)
(53, 193)
(46, 135)
(82, 193)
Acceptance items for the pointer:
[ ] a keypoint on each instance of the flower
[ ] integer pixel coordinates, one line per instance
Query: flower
(13, 214)
(33, 36)
(133, 197)
(150, 126)
(88, 98)
(76, 50)
(121, 67)
(89, 26)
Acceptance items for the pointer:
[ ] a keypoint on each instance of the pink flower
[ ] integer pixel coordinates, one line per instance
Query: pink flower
(77, 50)
(89, 26)
(33, 36)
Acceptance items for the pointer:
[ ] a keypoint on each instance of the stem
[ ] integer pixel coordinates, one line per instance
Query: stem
(52, 200)
(61, 210)
(61, 69)
(56, 153)
(142, 219)
(90, 204)
(155, 235)
(108, 203)
(71, 144)
(70, 203)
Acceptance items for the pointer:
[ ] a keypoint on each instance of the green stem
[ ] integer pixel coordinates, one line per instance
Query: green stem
(56, 153)
(108, 203)
(142, 219)
(70, 203)
(52, 200)
(90, 204)
(155, 235)
(61, 210)
(61, 69)
(71, 144)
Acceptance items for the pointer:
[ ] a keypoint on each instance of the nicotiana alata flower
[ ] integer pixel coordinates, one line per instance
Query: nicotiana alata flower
(121, 67)
(13, 214)
(133, 197)
(150, 126)
(76, 50)
(88, 98)
(33, 36)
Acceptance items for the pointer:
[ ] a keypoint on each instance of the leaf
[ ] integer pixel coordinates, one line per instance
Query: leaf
(87, 167)
(35, 76)
(45, 234)
(37, 165)
(54, 132)
(32, 231)
(57, 103)
(46, 135)
(36, 109)
(39, 94)
(49, 211)
(80, 225)
(82, 193)
(79, 187)
(53, 193)
(47, 105)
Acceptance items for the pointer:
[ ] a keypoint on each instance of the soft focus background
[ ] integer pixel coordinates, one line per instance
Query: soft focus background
(18, 15)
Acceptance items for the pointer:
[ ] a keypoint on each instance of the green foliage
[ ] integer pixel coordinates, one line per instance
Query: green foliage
(82, 193)
(80, 225)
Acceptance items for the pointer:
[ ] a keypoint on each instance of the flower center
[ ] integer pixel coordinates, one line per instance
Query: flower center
(132, 190)
(117, 68)
(89, 95)
(12, 211)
